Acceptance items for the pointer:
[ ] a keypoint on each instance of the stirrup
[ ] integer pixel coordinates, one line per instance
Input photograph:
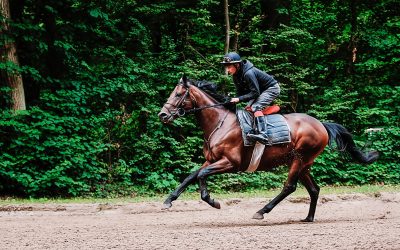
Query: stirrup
(259, 137)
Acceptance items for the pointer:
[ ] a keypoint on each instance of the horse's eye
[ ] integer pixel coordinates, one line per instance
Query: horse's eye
(178, 95)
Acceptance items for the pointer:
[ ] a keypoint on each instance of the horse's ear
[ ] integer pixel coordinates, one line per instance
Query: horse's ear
(184, 80)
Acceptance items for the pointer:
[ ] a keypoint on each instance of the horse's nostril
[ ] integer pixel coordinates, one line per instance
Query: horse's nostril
(162, 115)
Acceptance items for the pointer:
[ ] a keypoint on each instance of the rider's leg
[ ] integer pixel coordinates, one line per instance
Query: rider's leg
(265, 99)
(260, 132)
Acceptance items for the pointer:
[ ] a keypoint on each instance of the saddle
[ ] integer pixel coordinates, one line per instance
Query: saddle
(268, 110)
(278, 130)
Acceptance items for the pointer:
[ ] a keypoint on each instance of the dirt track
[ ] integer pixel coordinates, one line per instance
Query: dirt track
(353, 221)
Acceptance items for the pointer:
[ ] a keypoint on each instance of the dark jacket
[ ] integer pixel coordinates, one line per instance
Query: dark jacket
(250, 82)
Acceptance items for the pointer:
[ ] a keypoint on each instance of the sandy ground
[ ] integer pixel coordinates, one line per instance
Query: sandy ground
(352, 221)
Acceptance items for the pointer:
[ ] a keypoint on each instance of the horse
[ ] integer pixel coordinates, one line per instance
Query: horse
(224, 150)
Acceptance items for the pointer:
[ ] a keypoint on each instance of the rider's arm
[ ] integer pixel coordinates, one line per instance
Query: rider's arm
(251, 80)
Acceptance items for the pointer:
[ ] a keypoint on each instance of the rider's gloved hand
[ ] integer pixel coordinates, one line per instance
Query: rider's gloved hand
(235, 100)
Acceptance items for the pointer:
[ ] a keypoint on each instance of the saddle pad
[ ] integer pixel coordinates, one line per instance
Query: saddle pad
(278, 129)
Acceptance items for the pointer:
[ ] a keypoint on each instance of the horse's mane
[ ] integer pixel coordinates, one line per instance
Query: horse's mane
(211, 89)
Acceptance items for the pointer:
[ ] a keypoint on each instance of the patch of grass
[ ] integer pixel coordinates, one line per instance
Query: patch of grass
(301, 191)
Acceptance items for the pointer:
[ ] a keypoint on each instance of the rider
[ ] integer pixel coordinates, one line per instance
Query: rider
(256, 87)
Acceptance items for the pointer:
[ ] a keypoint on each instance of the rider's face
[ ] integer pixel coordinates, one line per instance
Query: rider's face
(231, 69)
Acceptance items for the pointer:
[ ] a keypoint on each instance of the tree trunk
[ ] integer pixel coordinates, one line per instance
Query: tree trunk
(352, 47)
(227, 29)
(9, 54)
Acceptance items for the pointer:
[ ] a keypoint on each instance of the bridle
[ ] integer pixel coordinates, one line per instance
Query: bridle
(180, 111)
(177, 109)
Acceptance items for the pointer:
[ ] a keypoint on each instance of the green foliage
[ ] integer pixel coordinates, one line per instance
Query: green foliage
(44, 154)
(248, 181)
(96, 74)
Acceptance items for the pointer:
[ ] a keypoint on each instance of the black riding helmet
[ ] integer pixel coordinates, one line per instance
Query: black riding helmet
(231, 58)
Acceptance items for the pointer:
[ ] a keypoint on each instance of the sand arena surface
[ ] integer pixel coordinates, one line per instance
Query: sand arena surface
(352, 221)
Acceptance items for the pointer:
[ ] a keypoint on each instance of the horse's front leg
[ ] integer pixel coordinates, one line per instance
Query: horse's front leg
(221, 166)
(174, 195)
(178, 191)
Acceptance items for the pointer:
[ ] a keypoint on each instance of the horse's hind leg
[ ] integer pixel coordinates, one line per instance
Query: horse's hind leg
(290, 187)
(307, 180)
(174, 195)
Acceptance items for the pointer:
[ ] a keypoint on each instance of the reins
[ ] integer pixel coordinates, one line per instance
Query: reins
(205, 107)
(181, 112)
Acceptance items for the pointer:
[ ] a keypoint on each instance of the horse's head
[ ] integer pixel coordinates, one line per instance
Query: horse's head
(178, 102)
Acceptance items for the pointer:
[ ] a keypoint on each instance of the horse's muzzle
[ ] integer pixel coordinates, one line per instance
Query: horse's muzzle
(164, 117)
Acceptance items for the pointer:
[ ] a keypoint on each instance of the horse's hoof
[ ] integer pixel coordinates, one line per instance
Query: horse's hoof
(217, 205)
(258, 216)
(308, 220)
(166, 206)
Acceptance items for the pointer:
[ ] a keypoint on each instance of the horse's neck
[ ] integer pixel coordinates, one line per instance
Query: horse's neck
(209, 118)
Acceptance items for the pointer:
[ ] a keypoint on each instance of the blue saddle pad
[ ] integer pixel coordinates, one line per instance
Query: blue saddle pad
(278, 129)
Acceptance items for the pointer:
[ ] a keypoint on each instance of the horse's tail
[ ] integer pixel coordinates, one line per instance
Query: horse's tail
(344, 141)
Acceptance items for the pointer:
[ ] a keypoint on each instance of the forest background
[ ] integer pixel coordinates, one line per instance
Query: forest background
(96, 73)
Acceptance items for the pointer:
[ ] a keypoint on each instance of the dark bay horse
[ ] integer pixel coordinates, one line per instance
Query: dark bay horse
(225, 152)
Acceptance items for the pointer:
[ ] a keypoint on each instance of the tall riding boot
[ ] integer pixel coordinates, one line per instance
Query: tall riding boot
(260, 133)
